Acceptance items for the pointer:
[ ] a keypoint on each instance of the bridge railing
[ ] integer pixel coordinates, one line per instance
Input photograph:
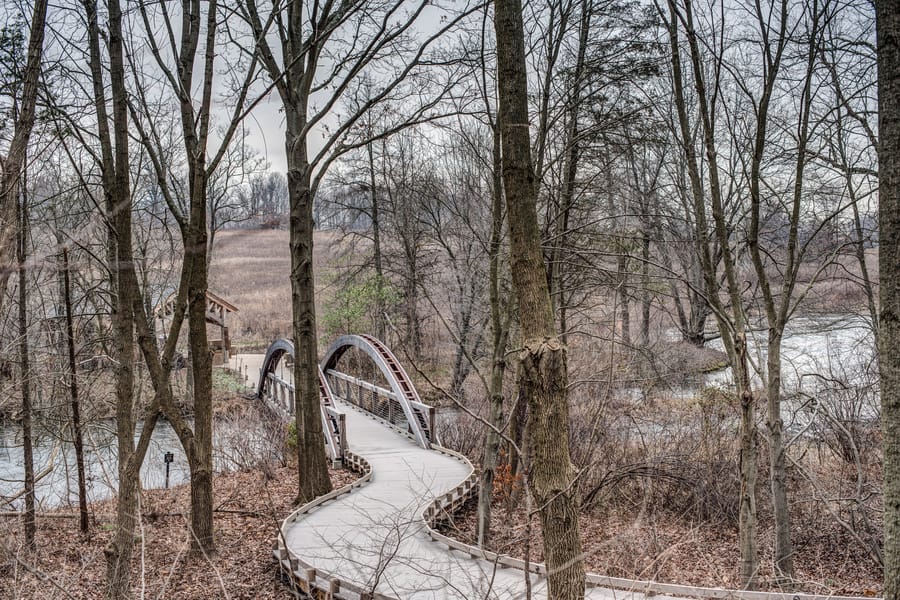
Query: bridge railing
(419, 419)
(279, 393)
(379, 401)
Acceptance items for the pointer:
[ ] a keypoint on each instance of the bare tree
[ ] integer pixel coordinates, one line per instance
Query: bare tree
(888, 32)
(113, 160)
(714, 247)
(191, 213)
(542, 367)
(353, 35)
(77, 435)
(12, 164)
(30, 527)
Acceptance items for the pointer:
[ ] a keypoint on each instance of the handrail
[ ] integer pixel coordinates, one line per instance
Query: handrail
(420, 424)
(301, 576)
(332, 421)
(304, 578)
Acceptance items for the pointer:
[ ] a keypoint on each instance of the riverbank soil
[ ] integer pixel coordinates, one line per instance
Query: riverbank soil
(249, 508)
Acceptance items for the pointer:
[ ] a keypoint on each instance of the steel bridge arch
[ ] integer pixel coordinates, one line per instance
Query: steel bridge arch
(274, 353)
(401, 385)
(332, 422)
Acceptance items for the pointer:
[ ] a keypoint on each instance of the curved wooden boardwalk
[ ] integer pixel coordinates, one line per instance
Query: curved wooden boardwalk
(377, 539)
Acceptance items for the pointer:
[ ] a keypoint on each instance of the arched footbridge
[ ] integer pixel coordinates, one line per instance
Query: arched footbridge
(375, 539)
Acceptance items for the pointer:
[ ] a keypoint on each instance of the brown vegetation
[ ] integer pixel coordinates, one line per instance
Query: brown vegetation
(249, 506)
(648, 545)
(251, 268)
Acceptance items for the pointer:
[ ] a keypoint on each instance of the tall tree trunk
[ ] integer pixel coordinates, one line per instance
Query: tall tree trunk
(376, 247)
(784, 559)
(11, 165)
(748, 464)
(572, 151)
(646, 296)
(116, 187)
(25, 365)
(542, 368)
(73, 395)
(312, 464)
(500, 335)
(887, 19)
(199, 453)
(732, 320)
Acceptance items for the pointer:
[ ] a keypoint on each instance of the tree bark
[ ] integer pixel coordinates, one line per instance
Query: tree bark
(73, 396)
(199, 450)
(312, 463)
(30, 528)
(124, 296)
(572, 153)
(118, 209)
(887, 19)
(542, 368)
(731, 321)
(784, 554)
(11, 165)
(376, 246)
(500, 336)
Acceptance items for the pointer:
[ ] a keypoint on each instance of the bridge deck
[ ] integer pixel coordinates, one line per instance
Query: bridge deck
(376, 535)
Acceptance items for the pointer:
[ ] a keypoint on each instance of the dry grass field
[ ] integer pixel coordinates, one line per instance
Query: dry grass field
(251, 268)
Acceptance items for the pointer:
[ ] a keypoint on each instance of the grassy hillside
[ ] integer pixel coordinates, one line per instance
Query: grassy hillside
(251, 268)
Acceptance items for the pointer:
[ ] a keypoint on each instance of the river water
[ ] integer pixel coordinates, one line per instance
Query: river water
(235, 445)
(816, 353)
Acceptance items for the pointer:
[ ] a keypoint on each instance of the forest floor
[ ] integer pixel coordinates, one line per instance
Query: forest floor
(249, 507)
(250, 504)
(645, 547)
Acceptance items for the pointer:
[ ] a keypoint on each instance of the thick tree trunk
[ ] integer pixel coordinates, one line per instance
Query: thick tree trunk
(542, 369)
(312, 463)
(200, 453)
(888, 31)
(118, 552)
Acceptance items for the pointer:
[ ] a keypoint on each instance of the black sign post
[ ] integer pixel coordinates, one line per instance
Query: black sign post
(169, 457)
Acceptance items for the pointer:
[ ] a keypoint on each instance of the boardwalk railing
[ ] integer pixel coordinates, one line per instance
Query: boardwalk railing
(442, 509)
(279, 394)
(400, 406)
(378, 401)
(302, 578)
